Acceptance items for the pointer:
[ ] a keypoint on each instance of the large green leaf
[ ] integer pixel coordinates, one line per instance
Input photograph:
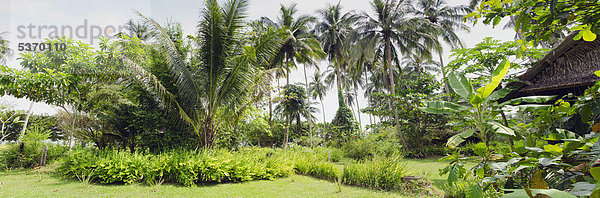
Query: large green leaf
(551, 148)
(533, 108)
(475, 191)
(529, 99)
(459, 138)
(497, 77)
(501, 93)
(501, 129)
(460, 84)
(521, 193)
(595, 172)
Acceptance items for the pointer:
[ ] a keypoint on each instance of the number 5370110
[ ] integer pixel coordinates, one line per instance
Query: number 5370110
(42, 46)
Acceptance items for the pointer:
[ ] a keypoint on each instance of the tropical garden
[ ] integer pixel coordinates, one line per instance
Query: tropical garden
(156, 112)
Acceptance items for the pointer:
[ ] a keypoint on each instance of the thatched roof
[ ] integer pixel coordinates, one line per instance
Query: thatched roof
(568, 68)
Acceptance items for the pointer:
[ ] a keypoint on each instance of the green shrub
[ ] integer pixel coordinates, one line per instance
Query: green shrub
(310, 166)
(29, 155)
(183, 167)
(367, 148)
(460, 188)
(379, 173)
(336, 155)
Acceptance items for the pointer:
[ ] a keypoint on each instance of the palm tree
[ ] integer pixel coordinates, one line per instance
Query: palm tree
(334, 31)
(295, 104)
(140, 30)
(213, 91)
(318, 89)
(5, 51)
(448, 19)
(298, 46)
(393, 30)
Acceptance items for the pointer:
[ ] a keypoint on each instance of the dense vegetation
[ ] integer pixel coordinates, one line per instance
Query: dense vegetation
(154, 105)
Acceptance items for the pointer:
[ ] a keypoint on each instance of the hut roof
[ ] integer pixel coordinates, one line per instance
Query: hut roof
(568, 68)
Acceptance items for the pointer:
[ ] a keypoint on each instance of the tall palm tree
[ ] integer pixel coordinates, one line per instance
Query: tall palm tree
(140, 29)
(448, 19)
(263, 29)
(214, 90)
(5, 51)
(334, 31)
(318, 89)
(299, 46)
(392, 29)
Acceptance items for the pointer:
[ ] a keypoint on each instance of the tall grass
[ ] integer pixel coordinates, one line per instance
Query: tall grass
(219, 166)
(379, 173)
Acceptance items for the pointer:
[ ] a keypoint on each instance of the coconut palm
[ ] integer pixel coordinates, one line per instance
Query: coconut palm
(397, 33)
(318, 89)
(299, 46)
(448, 20)
(5, 51)
(215, 90)
(334, 31)
(140, 30)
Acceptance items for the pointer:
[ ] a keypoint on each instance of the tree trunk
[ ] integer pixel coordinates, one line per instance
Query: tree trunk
(357, 109)
(393, 90)
(446, 86)
(287, 128)
(308, 117)
(25, 123)
(323, 109)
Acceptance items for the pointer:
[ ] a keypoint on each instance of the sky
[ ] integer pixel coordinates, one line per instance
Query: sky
(31, 21)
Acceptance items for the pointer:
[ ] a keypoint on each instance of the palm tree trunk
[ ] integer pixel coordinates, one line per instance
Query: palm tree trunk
(25, 123)
(446, 86)
(393, 90)
(323, 110)
(357, 108)
(308, 117)
(287, 127)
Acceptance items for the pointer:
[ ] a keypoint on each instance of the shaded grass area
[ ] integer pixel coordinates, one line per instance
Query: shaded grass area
(27, 183)
(429, 168)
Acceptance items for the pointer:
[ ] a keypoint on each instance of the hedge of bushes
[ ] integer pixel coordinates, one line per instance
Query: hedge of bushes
(28, 155)
(183, 167)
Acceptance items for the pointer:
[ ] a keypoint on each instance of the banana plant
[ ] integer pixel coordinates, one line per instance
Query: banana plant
(481, 111)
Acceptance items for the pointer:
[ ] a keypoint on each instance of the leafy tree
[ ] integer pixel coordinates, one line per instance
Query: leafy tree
(344, 126)
(5, 51)
(481, 60)
(294, 104)
(8, 118)
(540, 20)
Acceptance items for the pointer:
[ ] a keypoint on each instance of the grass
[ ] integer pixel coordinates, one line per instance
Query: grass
(429, 168)
(27, 183)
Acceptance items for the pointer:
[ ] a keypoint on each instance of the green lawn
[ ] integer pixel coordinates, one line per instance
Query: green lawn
(430, 169)
(27, 184)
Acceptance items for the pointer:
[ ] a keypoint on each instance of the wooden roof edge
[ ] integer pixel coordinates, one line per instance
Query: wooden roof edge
(560, 49)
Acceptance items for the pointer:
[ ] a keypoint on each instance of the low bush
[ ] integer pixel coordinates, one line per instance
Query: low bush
(460, 189)
(28, 155)
(379, 173)
(369, 147)
(181, 167)
(311, 163)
